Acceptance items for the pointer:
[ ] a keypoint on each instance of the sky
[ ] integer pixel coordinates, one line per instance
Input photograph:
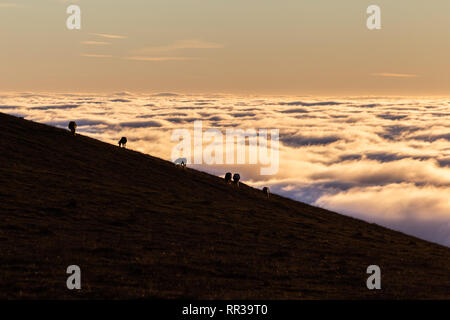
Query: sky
(269, 47)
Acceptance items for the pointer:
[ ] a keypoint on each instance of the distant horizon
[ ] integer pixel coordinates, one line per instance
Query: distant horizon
(230, 93)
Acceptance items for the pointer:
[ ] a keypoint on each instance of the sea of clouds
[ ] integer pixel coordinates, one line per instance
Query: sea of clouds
(383, 160)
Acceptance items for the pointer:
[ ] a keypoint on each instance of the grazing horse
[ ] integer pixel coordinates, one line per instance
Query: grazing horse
(266, 191)
(123, 142)
(236, 178)
(72, 127)
(181, 162)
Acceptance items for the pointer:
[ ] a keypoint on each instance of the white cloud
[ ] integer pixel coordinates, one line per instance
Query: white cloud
(154, 59)
(179, 45)
(96, 55)
(95, 42)
(394, 75)
(357, 157)
(108, 36)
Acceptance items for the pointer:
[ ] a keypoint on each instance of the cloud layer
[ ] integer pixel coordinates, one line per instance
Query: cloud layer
(383, 160)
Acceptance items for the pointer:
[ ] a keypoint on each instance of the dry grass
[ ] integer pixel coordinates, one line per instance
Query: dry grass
(141, 228)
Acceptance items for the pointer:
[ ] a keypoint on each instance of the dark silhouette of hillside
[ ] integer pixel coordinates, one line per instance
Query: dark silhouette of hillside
(140, 227)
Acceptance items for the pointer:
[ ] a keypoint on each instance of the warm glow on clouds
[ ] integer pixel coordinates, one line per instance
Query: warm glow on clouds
(383, 160)
(180, 45)
(95, 42)
(160, 58)
(394, 75)
(108, 36)
(96, 55)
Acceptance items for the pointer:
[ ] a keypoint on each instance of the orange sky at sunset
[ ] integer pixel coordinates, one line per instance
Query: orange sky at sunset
(261, 47)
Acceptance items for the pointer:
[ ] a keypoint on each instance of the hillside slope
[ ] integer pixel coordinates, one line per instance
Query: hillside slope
(139, 227)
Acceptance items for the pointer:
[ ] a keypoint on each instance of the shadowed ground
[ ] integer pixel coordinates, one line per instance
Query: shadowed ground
(139, 227)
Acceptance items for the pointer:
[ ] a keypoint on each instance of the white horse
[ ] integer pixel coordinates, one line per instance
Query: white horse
(181, 162)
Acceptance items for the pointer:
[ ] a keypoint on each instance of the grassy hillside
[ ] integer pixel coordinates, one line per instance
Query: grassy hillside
(139, 227)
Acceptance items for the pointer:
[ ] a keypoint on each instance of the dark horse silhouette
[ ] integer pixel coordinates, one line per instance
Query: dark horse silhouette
(72, 127)
(236, 178)
(266, 191)
(123, 142)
